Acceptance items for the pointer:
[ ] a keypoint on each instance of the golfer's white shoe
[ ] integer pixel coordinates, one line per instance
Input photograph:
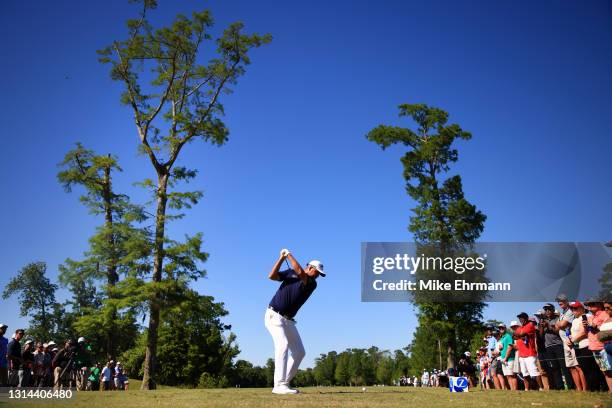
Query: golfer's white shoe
(283, 389)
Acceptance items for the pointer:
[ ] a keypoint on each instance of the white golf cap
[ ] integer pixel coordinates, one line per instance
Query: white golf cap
(29, 342)
(318, 266)
(81, 340)
(51, 343)
(514, 323)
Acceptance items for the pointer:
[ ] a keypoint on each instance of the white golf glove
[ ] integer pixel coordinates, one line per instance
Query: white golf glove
(284, 252)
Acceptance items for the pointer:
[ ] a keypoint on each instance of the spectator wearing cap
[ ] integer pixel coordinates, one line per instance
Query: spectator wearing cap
(579, 340)
(564, 324)
(118, 376)
(83, 361)
(39, 370)
(3, 353)
(526, 343)
(514, 325)
(554, 357)
(593, 325)
(507, 354)
(425, 378)
(496, 366)
(466, 367)
(48, 363)
(491, 340)
(27, 363)
(13, 355)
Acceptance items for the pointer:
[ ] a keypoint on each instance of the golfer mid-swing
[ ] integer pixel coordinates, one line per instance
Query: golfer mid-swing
(296, 287)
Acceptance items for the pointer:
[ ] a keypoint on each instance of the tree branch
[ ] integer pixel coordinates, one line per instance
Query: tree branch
(164, 97)
(211, 104)
(84, 173)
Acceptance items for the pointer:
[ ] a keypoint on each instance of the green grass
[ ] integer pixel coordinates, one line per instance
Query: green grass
(320, 397)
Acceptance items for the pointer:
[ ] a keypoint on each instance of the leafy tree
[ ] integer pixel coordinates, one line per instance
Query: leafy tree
(385, 370)
(370, 363)
(269, 371)
(304, 378)
(177, 106)
(194, 349)
(246, 375)
(402, 363)
(342, 374)
(476, 342)
(36, 294)
(443, 218)
(325, 367)
(117, 249)
(356, 368)
(425, 350)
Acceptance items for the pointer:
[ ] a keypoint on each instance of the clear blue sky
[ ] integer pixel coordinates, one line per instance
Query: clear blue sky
(530, 80)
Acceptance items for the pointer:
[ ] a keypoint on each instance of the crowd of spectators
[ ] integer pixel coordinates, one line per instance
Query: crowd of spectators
(26, 363)
(554, 349)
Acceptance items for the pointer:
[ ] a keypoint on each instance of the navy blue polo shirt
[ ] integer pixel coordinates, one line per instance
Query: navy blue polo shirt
(292, 293)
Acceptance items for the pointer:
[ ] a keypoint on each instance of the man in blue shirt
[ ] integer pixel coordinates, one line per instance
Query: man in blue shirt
(491, 341)
(3, 359)
(13, 355)
(296, 287)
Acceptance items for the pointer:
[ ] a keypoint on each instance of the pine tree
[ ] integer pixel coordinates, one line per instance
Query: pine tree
(443, 221)
(118, 249)
(178, 106)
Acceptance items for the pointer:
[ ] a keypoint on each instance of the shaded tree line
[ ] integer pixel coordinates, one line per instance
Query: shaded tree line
(356, 366)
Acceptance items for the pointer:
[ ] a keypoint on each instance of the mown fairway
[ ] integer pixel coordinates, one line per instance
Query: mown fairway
(328, 397)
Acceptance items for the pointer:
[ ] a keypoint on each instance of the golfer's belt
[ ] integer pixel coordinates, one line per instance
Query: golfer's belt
(276, 311)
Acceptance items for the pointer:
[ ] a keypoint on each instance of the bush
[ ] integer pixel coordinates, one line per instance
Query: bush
(208, 380)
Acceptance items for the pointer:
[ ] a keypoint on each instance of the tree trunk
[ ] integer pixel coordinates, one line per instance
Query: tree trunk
(451, 345)
(111, 265)
(148, 379)
(439, 355)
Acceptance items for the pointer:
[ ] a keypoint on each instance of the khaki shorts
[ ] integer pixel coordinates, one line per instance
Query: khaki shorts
(570, 356)
(515, 365)
(508, 368)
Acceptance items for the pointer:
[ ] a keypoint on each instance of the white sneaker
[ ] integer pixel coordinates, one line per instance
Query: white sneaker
(283, 389)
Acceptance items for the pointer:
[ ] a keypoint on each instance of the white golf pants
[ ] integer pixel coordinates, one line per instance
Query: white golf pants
(286, 339)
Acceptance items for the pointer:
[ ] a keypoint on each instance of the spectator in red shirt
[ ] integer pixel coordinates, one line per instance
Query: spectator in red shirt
(526, 344)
